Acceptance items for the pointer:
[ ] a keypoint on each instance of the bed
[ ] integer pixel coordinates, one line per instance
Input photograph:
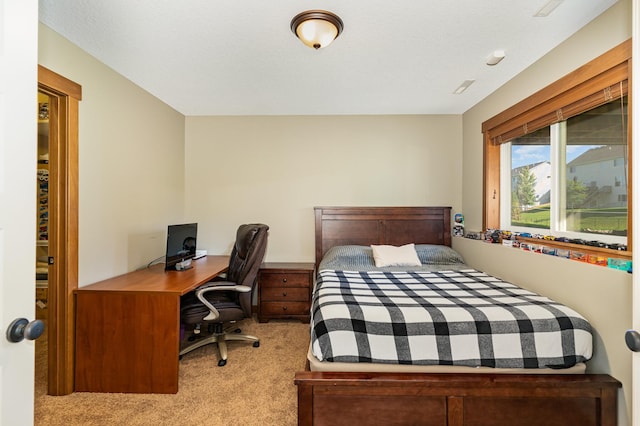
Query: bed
(401, 379)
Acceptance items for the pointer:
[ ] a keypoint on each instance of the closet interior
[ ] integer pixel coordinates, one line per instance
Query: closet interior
(42, 205)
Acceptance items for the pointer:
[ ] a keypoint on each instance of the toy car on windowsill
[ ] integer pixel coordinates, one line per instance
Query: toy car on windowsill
(577, 241)
(596, 243)
(615, 246)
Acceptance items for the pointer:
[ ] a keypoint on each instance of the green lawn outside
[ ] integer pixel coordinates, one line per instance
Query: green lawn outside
(612, 220)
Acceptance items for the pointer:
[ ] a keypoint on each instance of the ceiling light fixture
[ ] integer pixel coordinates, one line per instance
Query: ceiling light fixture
(495, 57)
(317, 28)
(549, 7)
(464, 86)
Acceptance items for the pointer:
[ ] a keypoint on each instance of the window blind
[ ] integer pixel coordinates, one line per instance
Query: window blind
(578, 92)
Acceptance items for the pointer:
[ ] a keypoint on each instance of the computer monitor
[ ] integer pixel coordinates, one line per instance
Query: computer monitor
(181, 245)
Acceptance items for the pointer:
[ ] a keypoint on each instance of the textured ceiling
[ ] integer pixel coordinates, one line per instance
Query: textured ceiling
(216, 57)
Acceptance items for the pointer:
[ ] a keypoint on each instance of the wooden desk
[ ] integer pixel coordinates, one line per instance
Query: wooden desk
(128, 328)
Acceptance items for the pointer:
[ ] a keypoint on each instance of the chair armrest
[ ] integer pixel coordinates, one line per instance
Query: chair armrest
(222, 286)
(217, 286)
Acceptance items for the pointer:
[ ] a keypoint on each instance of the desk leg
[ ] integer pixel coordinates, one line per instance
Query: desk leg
(127, 342)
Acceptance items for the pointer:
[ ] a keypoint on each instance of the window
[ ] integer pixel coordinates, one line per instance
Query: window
(562, 177)
(557, 162)
(528, 160)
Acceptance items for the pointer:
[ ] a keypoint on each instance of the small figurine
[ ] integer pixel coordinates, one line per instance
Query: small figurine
(458, 227)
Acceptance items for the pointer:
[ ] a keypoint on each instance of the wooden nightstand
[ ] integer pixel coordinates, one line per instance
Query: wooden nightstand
(285, 291)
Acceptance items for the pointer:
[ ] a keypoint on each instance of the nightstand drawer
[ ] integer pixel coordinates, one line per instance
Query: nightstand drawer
(285, 294)
(283, 309)
(284, 279)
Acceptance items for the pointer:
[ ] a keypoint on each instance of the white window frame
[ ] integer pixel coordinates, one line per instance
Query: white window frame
(557, 222)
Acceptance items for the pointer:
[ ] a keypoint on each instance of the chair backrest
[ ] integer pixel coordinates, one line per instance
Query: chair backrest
(246, 257)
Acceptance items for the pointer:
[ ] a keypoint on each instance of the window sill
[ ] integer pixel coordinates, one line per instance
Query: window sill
(598, 251)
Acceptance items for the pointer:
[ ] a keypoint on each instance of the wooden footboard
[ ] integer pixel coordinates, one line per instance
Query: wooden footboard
(338, 398)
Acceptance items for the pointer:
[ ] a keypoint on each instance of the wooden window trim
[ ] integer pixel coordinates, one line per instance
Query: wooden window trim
(573, 93)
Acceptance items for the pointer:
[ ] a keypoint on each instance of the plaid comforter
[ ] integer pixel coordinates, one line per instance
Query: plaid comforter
(462, 317)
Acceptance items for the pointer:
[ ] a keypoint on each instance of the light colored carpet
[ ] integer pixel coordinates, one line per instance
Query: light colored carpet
(254, 388)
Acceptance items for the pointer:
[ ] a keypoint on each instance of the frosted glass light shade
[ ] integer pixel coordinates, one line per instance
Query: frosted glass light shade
(316, 32)
(317, 28)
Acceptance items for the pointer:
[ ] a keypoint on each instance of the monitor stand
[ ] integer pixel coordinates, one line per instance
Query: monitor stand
(185, 264)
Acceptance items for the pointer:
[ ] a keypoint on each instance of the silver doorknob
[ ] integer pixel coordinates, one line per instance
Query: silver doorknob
(632, 338)
(21, 328)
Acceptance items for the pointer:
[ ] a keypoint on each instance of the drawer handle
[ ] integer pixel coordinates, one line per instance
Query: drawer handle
(284, 293)
(284, 280)
(284, 308)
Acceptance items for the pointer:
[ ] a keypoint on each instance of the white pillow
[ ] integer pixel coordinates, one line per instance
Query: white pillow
(395, 256)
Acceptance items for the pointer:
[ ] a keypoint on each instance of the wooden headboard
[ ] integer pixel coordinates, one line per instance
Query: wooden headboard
(381, 225)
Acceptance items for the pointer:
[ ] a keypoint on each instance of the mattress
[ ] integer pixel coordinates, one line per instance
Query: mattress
(368, 367)
(441, 313)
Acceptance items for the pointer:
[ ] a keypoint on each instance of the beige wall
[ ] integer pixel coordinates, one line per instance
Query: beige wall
(601, 295)
(131, 163)
(276, 169)
(238, 169)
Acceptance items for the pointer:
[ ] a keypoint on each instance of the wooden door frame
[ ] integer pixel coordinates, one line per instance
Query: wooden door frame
(64, 97)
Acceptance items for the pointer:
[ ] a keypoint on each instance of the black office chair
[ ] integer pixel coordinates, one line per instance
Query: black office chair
(228, 301)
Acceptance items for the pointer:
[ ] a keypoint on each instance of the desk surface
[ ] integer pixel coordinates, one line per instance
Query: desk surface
(156, 279)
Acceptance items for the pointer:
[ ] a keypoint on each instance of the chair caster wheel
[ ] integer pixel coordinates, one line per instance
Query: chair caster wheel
(237, 330)
(256, 344)
(222, 363)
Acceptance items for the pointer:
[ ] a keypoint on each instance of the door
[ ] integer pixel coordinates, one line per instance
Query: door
(633, 336)
(635, 164)
(635, 220)
(64, 98)
(18, 91)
